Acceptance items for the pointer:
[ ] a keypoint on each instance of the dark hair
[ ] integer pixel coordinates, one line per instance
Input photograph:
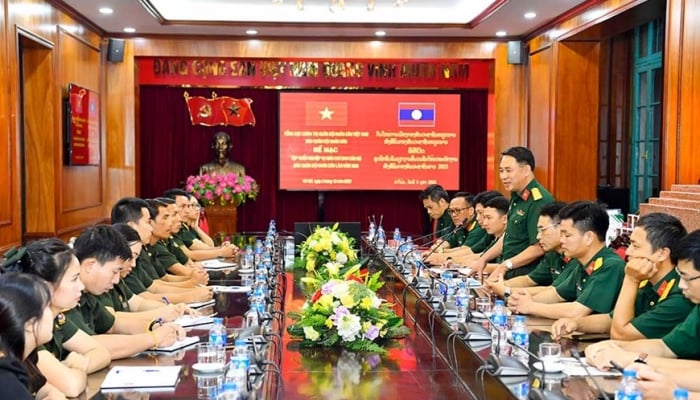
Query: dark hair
(165, 200)
(153, 206)
(483, 197)
(103, 243)
(46, 258)
(434, 193)
(128, 209)
(500, 203)
(688, 248)
(663, 230)
(522, 155)
(128, 233)
(552, 209)
(587, 216)
(468, 197)
(173, 193)
(23, 297)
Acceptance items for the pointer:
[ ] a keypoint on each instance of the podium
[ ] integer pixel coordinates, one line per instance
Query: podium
(222, 219)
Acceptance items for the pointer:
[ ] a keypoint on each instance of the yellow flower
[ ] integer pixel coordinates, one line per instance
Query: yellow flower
(311, 334)
(310, 264)
(347, 300)
(325, 300)
(366, 303)
(329, 323)
(333, 268)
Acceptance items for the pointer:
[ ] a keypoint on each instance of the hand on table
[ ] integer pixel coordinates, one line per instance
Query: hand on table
(563, 326)
(654, 385)
(599, 355)
(520, 301)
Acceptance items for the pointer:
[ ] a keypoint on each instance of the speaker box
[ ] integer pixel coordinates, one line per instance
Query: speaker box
(515, 52)
(115, 50)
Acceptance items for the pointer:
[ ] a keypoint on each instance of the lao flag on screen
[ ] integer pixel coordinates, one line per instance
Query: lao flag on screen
(416, 114)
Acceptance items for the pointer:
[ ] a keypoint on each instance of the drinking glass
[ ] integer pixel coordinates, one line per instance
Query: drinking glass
(550, 353)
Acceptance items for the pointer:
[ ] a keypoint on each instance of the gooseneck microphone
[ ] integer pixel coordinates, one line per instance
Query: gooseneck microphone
(575, 354)
(538, 393)
(444, 238)
(498, 364)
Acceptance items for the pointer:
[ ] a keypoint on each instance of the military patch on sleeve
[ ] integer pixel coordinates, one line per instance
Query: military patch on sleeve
(536, 194)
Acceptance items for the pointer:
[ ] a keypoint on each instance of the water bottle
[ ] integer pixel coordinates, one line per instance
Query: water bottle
(236, 379)
(371, 231)
(418, 263)
(500, 322)
(628, 389)
(521, 338)
(462, 301)
(397, 236)
(251, 316)
(239, 356)
(407, 250)
(248, 258)
(272, 228)
(257, 253)
(381, 238)
(445, 277)
(217, 338)
(289, 251)
(680, 394)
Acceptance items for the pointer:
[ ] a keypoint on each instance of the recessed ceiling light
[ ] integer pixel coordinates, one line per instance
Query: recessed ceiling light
(380, 33)
(129, 29)
(251, 32)
(501, 33)
(106, 10)
(529, 15)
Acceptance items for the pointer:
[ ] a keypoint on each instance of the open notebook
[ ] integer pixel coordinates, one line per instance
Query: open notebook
(151, 377)
(186, 342)
(217, 264)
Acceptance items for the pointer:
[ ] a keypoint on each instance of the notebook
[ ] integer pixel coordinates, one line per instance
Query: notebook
(201, 304)
(151, 377)
(217, 264)
(188, 320)
(188, 341)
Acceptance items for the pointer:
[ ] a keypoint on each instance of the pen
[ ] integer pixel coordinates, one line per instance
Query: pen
(165, 300)
(616, 366)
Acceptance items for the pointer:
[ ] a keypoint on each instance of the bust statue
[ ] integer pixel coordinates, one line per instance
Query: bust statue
(221, 143)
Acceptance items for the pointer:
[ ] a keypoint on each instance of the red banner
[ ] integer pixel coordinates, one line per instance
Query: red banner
(83, 138)
(219, 110)
(316, 73)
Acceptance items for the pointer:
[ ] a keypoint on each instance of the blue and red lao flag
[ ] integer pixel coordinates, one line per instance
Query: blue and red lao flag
(417, 114)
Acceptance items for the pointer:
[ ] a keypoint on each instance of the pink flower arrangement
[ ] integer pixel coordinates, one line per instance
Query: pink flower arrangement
(229, 188)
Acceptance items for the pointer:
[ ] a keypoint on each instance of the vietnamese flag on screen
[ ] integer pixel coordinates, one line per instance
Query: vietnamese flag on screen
(416, 114)
(322, 113)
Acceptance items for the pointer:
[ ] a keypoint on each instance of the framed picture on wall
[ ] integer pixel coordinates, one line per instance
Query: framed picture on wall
(81, 126)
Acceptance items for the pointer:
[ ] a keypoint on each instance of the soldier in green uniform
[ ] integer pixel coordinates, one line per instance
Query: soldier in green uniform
(436, 202)
(597, 271)
(102, 251)
(681, 343)
(517, 252)
(650, 304)
(552, 268)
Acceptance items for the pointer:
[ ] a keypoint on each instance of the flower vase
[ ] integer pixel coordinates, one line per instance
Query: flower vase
(222, 218)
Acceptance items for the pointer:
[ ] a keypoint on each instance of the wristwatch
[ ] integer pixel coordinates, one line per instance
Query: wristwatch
(509, 264)
(507, 291)
(641, 358)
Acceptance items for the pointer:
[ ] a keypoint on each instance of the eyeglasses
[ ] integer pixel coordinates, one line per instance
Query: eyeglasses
(454, 211)
(683, 278)
(541, 229)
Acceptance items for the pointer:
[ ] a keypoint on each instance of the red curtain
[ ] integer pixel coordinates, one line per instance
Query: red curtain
(171, 149)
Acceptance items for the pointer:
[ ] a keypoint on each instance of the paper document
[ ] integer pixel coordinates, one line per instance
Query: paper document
(188, 341)
(217, 264)
(201, 304)
(188, 320)
(573, 368)
(142, 377)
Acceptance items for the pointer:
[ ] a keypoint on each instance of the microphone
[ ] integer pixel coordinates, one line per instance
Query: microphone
(575, 354)
(444, 238)
(539, 393)
(438, 232)
(498, 364)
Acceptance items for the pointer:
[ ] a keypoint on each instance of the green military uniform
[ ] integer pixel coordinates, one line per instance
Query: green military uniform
(63, 330)
(117, 298)
(143, 274)
(457, 238)
(683, 339)
(661, 307)
(187, 235)
(95, 318)
(596, 285)
(491, 243)
(162, 258)
(521, 230)
(174, 246)
(550, 269)
(477, 238)
(444, 225)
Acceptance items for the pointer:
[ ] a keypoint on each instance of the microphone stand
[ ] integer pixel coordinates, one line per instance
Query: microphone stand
(443, 239)
(503, 365)
(575, 354)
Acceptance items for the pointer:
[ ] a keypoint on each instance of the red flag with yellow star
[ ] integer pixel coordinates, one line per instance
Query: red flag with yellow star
(238, 111)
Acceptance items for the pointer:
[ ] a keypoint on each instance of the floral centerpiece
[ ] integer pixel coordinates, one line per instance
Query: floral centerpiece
(345, 311)
(230, 188)
(324, 245)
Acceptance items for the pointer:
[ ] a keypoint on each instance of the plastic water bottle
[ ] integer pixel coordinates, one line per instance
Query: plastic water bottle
(372, 231)
(462, 301)
(381, 238)
(397, 236)
(500, 322)
(257, 253)
(239, 356)
(236, 379)
(521, 337)
(248, 258)
(680, 394)
(217, 338)
(272, 228)
(289, 251)
(628, 389)
(251, 316)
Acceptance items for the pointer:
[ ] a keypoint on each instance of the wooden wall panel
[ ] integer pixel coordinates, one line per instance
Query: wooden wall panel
(539, 106)
(673, 53)
(574, 159)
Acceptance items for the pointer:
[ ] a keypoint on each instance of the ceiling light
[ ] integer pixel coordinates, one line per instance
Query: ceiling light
(380, 33)
(106, 10)
(529, 15)
(251, 32)
(501, 33)
(129, 29)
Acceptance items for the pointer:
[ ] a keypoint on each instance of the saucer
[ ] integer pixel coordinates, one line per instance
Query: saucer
(551, 368)
(208, 368)
(246, 271)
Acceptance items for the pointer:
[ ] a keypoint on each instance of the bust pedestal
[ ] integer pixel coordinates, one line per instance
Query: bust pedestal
(222, 219)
